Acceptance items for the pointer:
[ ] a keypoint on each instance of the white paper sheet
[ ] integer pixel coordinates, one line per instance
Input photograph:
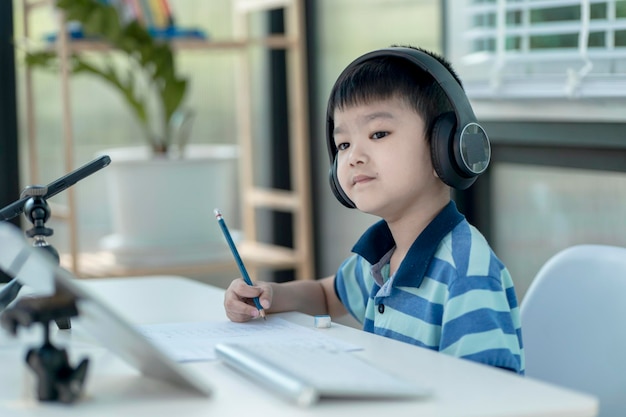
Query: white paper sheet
(195, 341)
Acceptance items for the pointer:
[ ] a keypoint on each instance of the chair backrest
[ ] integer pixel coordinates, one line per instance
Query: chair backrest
(574, 324)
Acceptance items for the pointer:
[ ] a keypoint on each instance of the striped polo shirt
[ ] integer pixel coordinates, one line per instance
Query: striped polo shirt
(451, 293)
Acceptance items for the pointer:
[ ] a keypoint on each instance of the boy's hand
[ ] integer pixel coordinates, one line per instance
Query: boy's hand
(238, 301)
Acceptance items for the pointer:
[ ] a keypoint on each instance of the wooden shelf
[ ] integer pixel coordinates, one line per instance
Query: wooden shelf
(297, 201)
(272, 42)
(254, 254)
(275, 199)
(102, 264)
(262, 255)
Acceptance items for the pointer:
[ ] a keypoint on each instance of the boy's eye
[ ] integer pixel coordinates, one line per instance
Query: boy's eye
(343, 146)
(379, 135)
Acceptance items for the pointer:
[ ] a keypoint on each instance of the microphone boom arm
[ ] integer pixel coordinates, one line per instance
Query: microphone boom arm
(16, 208)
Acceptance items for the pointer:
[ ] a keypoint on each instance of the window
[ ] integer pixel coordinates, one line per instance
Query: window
(549, 49)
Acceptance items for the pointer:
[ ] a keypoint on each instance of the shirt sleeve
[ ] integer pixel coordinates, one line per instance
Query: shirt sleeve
(351, 285)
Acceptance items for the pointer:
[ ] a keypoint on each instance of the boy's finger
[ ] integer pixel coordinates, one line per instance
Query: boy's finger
(264, 299)
(247, 291)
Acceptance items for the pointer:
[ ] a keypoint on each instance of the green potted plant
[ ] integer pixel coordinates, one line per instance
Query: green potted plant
(149, 75)
(154, 201)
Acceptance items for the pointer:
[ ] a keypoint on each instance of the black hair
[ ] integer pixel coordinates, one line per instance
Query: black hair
(386, 77)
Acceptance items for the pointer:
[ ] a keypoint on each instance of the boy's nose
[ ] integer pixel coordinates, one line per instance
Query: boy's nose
(357, 155)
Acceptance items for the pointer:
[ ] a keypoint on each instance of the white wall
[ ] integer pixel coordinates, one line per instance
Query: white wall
(347, 29)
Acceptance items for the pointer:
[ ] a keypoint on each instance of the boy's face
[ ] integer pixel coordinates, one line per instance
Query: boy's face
(383, 159)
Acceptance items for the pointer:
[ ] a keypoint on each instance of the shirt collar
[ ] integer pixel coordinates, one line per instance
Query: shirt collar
(377, 241)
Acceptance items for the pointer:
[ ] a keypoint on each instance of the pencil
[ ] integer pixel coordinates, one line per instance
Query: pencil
(238, 259)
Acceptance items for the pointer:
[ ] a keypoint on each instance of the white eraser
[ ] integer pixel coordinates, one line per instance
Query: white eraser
(322, 322)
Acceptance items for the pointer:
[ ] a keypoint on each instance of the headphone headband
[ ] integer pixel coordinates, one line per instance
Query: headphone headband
(437, 70)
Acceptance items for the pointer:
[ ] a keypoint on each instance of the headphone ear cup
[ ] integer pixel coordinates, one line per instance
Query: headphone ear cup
(442, 149)
(441, 146)
(336, 187)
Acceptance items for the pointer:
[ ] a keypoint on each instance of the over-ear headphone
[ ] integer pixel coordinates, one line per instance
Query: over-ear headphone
(460, 149)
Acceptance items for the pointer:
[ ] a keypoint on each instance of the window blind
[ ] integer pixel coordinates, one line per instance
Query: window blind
(539, 48)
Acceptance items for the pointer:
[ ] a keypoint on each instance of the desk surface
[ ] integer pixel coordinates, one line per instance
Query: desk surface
(460, 387)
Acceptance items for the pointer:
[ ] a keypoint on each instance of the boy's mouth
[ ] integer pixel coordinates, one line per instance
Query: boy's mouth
(360, 179)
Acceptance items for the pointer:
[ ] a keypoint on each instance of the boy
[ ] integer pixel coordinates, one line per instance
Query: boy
(400, 133)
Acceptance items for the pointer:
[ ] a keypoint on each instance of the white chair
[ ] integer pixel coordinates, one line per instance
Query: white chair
(574, 324)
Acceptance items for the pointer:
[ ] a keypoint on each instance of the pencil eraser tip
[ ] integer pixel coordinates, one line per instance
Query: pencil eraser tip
(322, 322)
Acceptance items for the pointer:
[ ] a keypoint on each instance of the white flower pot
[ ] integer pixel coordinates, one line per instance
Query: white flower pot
(162, 207)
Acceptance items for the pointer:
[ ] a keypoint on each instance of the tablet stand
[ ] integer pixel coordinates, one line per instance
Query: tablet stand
(37, 211)
(57, 380)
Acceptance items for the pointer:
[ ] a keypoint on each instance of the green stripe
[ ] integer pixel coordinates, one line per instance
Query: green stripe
(477, 342)
(474, 300)
(430, 290)
(410, 326)
(479, 256)
(444, 251)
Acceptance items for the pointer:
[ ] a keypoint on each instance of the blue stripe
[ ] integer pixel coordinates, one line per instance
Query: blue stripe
(461, 247)
(413, 306)
(368, 325)
(511, 297)
(476, 321)
(470, 283)
(441, 271)
(495, 266)
(502, 358)
(398, 336)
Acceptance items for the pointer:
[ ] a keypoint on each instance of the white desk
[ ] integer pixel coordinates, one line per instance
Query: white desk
(461, 388)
